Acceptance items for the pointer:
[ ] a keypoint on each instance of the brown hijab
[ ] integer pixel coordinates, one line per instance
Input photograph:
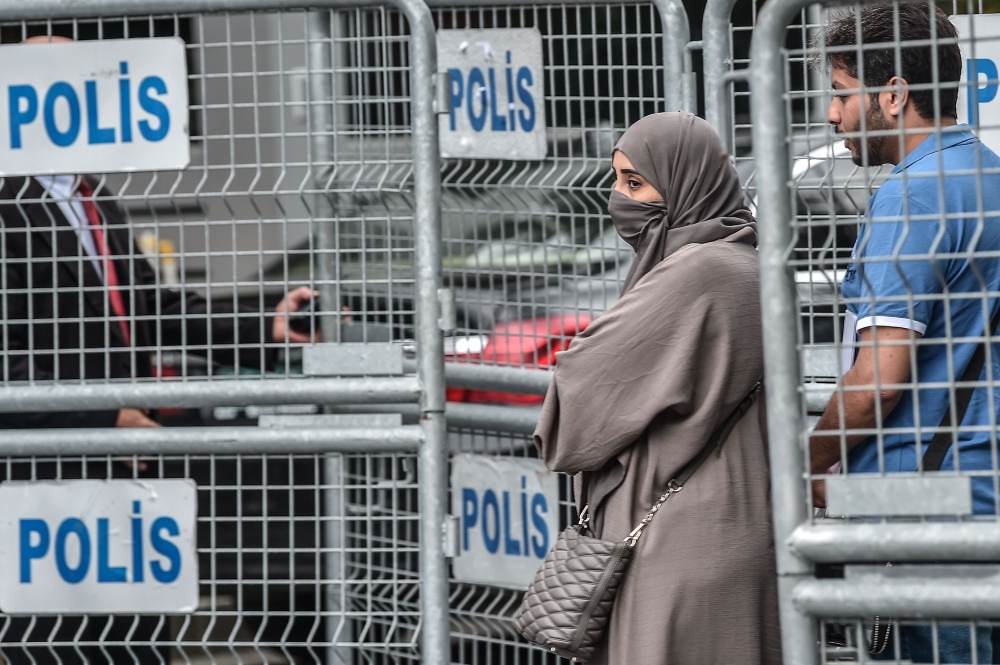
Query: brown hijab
(681, 156)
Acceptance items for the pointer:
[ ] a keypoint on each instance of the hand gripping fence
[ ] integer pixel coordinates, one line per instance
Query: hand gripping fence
(427, 388)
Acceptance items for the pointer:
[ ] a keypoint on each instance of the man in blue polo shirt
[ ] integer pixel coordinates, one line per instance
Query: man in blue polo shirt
(912, 285)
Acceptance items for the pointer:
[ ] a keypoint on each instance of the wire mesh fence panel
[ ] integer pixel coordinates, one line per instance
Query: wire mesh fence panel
(301, 559)
(532, 258)
(290, 232)
(830, 190)
(876, 204)
(530, 250)
(298, 178)
(482, 616)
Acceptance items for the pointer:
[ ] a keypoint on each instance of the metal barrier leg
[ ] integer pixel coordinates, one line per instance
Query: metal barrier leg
(676, 35)
(321, 91)
(780, 317)
(338, 628)
(715, 53)
(430, 344)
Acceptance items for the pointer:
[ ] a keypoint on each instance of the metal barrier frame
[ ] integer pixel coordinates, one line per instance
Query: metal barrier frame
(800, 544)
(779, 319)
(716, 55)
(364, 394)
(431, 440)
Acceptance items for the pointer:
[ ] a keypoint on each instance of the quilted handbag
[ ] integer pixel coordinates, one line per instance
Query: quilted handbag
(568, 605)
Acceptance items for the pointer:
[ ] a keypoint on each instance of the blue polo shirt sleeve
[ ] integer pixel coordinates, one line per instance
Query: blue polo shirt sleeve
(894, 269)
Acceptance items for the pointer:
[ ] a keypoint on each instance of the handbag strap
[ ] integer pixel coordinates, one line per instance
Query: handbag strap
(676, 484)
(939, 445)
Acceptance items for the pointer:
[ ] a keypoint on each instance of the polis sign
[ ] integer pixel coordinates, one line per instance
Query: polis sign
(497, 97)
(98, 546)
(93, 107)
(508, 510)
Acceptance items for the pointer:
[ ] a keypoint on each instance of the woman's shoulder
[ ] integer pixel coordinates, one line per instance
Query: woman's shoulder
(711, 261)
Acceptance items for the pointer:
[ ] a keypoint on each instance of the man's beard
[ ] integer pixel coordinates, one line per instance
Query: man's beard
(874, 122)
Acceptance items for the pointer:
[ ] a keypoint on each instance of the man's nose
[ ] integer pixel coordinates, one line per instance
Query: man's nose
(833, 114)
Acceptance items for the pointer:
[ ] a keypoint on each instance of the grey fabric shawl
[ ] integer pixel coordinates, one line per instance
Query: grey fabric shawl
(681, 156)
(634, 399)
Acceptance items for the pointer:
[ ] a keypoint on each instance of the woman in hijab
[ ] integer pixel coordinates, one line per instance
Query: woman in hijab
(639, 392)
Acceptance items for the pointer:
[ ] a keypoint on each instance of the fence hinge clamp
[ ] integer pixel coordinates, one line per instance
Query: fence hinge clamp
(442, 93)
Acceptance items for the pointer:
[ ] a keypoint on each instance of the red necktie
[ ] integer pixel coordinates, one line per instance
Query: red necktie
(110, 274)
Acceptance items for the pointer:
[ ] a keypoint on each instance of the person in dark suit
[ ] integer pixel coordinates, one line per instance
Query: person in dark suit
(81, 301)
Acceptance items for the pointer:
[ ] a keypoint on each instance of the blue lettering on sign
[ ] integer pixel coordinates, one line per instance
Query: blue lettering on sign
(511, 546)
(62, 90)
(35, 544)
(137, 574)
(153, 107)
(124, 103)
(485, 515)
(498, 123)
(105, 571)
(539, 506)
(491, 541)
(524, 79)
(96, 133)
(22, 111)
(73, 526)
(470, 514)
(166, 548)
(31, 528)
(18, 115)
(979, 92)
(481, 99)
(456, 94)
(477, 90)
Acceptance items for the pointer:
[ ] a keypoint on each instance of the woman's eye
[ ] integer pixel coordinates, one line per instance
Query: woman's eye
(634, 184)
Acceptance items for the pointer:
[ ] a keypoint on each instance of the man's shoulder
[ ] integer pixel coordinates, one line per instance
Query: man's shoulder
(954, 176)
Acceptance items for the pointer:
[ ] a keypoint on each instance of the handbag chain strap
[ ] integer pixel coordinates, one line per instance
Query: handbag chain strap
(676, 484)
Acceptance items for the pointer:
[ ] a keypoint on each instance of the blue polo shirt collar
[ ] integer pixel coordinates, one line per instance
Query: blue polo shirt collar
(952, 137)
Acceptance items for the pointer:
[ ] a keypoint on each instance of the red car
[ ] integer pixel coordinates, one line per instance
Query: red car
(530, 344)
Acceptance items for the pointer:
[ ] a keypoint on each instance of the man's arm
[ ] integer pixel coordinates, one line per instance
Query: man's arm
(861, 407)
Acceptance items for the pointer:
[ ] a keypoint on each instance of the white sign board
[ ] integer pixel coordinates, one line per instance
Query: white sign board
(497, 108)
(977, 96)
(93, 107)
(120, 546)
(509, 518)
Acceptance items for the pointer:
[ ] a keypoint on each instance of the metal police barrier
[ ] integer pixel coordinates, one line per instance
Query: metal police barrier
(937, 529)
(538, 94)
(233, 153)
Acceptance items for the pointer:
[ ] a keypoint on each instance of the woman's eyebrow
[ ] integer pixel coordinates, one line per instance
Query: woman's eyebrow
(630, 171)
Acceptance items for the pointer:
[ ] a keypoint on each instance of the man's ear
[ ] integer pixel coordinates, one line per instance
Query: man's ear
(894, 99)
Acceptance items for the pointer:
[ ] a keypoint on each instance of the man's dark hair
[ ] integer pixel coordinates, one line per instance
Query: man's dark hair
(916, 65)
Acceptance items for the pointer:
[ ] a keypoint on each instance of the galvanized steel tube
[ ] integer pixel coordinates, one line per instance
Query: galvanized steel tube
(209, 441)
(196, 394)
(435, 642)
(780, 321)
(427, 223)
(676, 35)
(918, 599)
(321, 92)
(715, 58)
(500, 379)
(487, 417)
(878, 542)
